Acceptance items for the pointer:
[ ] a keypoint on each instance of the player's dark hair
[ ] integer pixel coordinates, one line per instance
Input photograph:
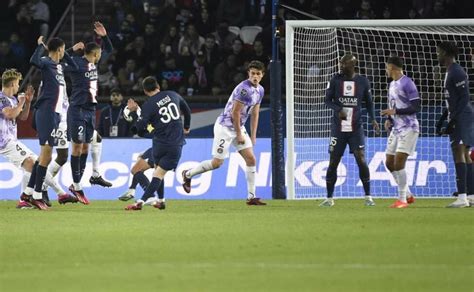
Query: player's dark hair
(92, 46)
(150, 84)
(54, 44)
(395, 60)
(449, 48)
(257, 65)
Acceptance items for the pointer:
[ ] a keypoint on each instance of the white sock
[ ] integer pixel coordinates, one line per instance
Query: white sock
(402, 185)
(77, 186)
(29, 191)
(250, 175)
(204, 166)
(51, 182)
(54, 168)
(368, 198)
(395, 176)
(462, 197)
(96, 152)
(25, 180)
(162, 200)
(37, 196)
(140, 201)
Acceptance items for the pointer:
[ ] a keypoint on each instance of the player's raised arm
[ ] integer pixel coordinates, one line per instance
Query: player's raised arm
(107, 46)
(38, 53)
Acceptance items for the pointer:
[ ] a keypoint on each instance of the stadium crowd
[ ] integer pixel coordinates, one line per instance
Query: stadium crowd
(196, 47)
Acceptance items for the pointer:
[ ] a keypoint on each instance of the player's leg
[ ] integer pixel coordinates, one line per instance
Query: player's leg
(364, 175)
(96, 153)
(337, 146)
(390, 152)
(470, 177)
(223, 138)
(62, 150)
(138, 169)
(459, 155)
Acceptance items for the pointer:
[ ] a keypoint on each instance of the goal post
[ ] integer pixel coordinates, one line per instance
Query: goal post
(313, 49)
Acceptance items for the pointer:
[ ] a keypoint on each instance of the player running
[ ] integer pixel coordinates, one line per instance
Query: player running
(461, 120)
(402, 124)
(345, 93)
(229, 129)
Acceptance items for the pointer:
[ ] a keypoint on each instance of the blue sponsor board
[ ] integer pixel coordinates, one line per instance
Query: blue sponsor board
(430, 172)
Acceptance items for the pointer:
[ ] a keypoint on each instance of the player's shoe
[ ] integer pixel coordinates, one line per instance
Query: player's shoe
(369, 202)
(410, 199)
(255, 202)
(134, 207)
(24, 205)
(470, 199)
(329, 202)
(99, 180)
(159, 205)
(128, 195)
(66, 198)
(399, 205)
(151, 201)
(46, 198)
(25, 197)
(39, 204)
(186, 182)
(455, 194)
(459, 203)
(79, 195)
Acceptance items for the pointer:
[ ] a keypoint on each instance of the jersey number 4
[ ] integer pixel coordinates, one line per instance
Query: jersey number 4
(169, 113)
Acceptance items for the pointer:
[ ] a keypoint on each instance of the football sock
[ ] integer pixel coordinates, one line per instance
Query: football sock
(250, 175)
(83, 161)
(76, 168)
(364, 176)
(54, 168)
(461, 177)
(96, 152)
(31, 182)
(331, 178)
(204, 166)
(142, 179)
(402, 185)
(52, 183)
(24, 180)
(470, 178)
(40, 174)
(151, 189)
(161, 191)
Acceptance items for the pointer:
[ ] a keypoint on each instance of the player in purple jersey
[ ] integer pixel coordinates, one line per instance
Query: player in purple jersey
(461, 122)
(229, 129)
(345, 94)
(402, 124)
(11, 109)
(48, 108)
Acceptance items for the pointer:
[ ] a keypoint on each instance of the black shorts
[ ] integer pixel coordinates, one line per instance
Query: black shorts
(339, 140)
(80, 125)
(148, 157)
(46, 122)
(167, 157)
(463, 131)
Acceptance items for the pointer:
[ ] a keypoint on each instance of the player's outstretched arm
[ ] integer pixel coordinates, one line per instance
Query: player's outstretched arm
(38, 53)
(30, 91)
(107, 46)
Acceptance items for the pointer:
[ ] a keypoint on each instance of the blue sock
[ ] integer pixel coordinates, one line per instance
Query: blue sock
(40, 174)
(151, 189)
(461, 171)
(31, 182)
(142, 180)
(83, 160)
(364, 175)
(470, 178)
(76, 168)
(161, 190)
(331, 178)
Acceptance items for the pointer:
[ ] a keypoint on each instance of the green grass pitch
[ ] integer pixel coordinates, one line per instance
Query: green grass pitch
(228, 246)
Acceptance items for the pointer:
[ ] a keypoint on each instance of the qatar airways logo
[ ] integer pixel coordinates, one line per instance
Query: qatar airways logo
(348, 101)
(91, 74)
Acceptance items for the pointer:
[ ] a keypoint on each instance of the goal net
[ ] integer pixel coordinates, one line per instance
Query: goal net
(313, 49)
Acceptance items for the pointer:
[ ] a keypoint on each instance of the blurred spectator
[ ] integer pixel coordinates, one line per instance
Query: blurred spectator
(224, 38)
(232, 12)
(190, 39)
(172, 73)
(134, 27)
(24, 21)
(118, 13)
(224, 75)
(172, 39)
(258, 53)
(204, 24)
(211, 51)
(40, 16)
(439, 10)
(136, 50)
(7, 58)
(386, 13)
(151, 39)
(106, 78)
(16, 46)
(112, 122)
(237, 51)
(123, 36)
(365, 11)
(412, 14)
(128, 76)
(201, 71)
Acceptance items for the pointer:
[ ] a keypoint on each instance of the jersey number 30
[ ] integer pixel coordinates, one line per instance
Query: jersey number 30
(169, 113)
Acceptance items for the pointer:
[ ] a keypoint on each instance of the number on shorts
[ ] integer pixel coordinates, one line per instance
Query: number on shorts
(169, 113)
(80, 130)
(221, 143)
(333, 141)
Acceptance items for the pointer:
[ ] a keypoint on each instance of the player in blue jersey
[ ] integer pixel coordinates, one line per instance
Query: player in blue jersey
(161, 111)
(48, 108)
(345, 94)
(229, 129)
(81, 112)
(461, 121)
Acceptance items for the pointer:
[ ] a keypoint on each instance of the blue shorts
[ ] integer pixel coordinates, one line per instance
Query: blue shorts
(80, 125)
(46, 122)
(463, 130)
(148, 157)
(167, 157)
(339, 140)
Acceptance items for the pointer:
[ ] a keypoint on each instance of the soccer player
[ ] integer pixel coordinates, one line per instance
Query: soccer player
(461, 120)
(162, 111)
(403, 126)
(345, 93)
(229, 129)
(48, 108)
(81, 112)
(12, 108)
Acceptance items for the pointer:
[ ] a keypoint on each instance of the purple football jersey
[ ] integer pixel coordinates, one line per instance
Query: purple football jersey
(8, 129)
(400, 93)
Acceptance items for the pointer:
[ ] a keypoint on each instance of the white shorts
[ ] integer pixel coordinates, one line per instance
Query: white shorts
(224, 137)
(404, 142)
(16, 152)
(63, 143)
